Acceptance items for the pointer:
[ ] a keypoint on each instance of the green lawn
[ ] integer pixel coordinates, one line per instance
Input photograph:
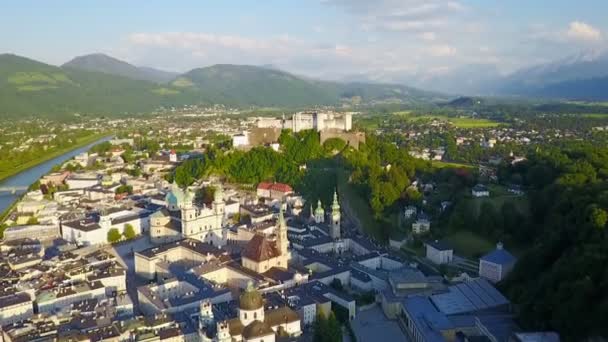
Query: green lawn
(442, 164)
(473, 123)
(469, 244)
(461, 122)
(498, 196)
(521, 203)
(595, 115)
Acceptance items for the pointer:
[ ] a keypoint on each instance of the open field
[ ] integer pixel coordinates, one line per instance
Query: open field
(521, 203)
(460, 122)
(594, 115)
(442, 164)
(469, 244)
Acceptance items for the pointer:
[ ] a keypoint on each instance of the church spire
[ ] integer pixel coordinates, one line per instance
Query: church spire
(319, 212)
(281, 218)
(335, 206)
(282, 240)
(335, 217)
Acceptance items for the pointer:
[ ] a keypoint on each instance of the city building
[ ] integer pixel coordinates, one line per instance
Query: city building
(181, 218)
(439, 252)
(495, 265)
(422, 224)
(261, 253)
(254, 323)
(480, 190)
(318, 121)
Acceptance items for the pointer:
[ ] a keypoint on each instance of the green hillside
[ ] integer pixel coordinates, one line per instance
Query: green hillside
(28, 88)
(243, 84)
(109, 65)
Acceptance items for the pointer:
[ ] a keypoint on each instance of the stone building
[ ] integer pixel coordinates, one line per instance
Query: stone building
(184, 219)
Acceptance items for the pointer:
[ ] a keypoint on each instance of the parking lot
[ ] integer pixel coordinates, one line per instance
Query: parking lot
(372, 326)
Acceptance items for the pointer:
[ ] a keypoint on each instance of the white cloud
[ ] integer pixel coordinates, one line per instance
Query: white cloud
(399, 15)
(441, 50)
(579, 30)
(428, 36)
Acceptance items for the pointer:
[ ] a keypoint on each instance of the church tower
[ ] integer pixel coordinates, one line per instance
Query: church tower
(335, 217)
(319, 213)
(223, 332)
(218, 204)
(188, 213)
(205, 318)
(282, 241)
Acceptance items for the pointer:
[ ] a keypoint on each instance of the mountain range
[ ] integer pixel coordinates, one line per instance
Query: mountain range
(579, 77)
(100, 84)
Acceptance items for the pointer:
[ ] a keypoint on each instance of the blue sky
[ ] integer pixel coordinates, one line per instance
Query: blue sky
(384, 40)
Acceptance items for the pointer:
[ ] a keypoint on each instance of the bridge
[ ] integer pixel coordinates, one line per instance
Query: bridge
(12, 189)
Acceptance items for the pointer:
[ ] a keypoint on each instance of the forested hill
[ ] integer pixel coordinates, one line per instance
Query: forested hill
(103, 63)
(31, 88)
(562, 282)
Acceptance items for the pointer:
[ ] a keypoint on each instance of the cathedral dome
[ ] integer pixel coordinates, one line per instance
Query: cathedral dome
(251, 299)
(171, 199)
(257, 329)
(175, 197)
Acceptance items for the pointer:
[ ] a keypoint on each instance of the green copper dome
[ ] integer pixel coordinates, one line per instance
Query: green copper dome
(251, 299)
(175, 197)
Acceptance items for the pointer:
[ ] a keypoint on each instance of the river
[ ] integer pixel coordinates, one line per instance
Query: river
(29, 176)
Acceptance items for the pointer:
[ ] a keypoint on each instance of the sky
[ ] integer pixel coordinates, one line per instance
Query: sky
(381, 40)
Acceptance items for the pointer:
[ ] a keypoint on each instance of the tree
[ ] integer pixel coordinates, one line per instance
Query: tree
(333, 145)
(598, 217)
(413, 195)
(327, 329)
(124, 189)
(113, 235)
(205, 194)
(337, 284)
(129, 232)
(32, 220)
(2, 229)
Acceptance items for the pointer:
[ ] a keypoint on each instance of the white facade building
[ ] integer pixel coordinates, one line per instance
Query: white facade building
(439, 252)
(495, 265)
(318, 121)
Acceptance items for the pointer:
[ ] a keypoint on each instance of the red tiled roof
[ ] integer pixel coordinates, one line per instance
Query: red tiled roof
(264, 185)
(281, 187)
(260, 249)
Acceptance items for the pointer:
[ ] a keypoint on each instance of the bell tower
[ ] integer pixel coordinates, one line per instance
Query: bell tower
(205, 315)
(319, 213)
(335, 217)
(282, 241)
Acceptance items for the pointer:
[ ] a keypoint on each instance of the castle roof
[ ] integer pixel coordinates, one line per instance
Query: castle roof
(259, 248)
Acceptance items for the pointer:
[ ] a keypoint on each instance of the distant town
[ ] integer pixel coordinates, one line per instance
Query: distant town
(159, 231)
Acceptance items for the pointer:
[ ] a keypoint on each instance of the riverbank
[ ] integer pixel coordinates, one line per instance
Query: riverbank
(82, 142)
(4, 214)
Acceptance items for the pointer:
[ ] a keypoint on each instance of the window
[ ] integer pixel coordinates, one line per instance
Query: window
(245, 315)
(255, 315)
